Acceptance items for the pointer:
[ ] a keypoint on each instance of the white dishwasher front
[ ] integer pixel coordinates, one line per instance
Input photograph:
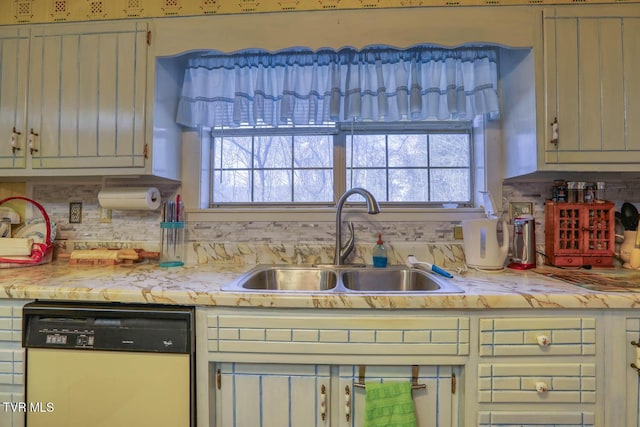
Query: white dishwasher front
(105, 365)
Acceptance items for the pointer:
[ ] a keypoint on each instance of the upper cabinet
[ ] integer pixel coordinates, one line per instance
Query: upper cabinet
(86, 96)
(592, 112)
(14, 59)
(86, 93)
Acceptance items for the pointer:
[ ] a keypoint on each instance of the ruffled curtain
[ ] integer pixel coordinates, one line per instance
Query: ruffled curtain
(301, 87)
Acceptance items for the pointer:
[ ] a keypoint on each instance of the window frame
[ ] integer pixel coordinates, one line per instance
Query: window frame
(341, 132)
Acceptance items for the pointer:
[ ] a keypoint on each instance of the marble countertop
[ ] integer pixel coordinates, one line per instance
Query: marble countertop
(201, 285)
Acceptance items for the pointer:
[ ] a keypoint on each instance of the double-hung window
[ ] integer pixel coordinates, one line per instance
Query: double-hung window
(421, 164)
(300, 127)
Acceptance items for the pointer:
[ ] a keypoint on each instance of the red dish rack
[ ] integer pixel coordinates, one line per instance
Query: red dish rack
(579, 234)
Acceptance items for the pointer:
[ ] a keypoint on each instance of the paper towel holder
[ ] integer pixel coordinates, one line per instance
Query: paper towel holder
(129, 198)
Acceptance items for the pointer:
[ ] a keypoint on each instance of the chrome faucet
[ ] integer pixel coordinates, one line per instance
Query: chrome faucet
(342, 252)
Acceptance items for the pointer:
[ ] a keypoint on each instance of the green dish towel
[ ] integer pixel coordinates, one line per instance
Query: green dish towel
(389, 404)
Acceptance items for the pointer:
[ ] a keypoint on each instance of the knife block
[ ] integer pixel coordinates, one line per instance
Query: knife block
(578, 234)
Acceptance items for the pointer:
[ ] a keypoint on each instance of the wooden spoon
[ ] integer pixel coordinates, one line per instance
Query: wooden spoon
(634, 260)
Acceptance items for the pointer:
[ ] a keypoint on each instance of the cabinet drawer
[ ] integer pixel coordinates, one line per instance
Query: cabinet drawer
(531, 383)
(537, 418)
(568, 336)
(338, 335)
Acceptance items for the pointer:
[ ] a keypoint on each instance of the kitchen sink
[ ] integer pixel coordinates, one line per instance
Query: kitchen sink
(287, 279)
(336, 279)
(392, 280)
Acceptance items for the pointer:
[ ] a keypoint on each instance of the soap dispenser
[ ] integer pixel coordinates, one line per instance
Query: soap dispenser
(379, 253)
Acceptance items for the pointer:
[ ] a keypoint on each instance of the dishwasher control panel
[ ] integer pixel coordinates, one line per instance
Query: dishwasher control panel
(106, 328)
(74, 338)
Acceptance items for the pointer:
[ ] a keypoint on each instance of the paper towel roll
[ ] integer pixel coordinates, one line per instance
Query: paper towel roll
(130, 198)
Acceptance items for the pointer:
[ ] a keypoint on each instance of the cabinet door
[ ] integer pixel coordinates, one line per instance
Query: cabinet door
(592, 64)
(12, 402)
(86, 95)
(436, 404)
(14, 57)
(271, 395)
(632, 373)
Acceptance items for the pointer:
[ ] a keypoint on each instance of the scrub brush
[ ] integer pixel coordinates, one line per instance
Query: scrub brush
(413, 262)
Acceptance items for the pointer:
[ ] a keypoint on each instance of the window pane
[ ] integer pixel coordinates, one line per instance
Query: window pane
(450, 185)
(231, 186)
(313, 186)
(408, 185)
(408, 150)
(272, 186)
(313, 151)
(374, 180)
(449, 150)
(272, 151)
(232, 152)
(367, 151)
(293, 166)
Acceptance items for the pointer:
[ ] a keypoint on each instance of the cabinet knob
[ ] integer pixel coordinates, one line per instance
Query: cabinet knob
(541, 387)
(543, 340)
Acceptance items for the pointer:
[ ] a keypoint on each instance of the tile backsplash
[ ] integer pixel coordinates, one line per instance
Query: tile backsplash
(232, 241)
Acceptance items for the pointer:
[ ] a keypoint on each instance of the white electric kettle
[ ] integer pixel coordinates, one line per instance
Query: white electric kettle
(480, 240)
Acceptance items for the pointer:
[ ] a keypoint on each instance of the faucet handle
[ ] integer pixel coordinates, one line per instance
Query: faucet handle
(348, 246)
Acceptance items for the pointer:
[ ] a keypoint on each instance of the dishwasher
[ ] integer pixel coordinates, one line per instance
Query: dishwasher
(109, 364)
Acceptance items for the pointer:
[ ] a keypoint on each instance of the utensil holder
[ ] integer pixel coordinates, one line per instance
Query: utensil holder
(172, 251)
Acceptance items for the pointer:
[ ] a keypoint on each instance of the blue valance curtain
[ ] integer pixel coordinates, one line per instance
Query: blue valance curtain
(302, 87)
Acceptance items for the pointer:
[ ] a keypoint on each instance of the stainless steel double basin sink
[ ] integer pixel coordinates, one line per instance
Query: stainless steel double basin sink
(344, 279)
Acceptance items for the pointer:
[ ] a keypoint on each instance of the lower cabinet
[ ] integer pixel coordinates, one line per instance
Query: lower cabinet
(12, 403)
(271, 395)
(275, 395)
(274, 368)
(538, 370)
(631, 371)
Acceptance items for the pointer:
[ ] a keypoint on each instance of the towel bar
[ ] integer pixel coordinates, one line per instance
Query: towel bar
(415, 370)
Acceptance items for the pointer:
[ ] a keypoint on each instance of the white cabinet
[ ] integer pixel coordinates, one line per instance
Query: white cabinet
(323, 395)
(14, 58)
(275, 367)
(77, 97)
(592, 63)
(12, 410)
(87, 88)
(435, 394)
(271, 395)
(631, 372)
(538, 370)
(570, 103)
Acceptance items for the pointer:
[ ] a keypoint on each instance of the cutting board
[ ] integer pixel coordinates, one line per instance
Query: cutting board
(605, 281)
(109, 256)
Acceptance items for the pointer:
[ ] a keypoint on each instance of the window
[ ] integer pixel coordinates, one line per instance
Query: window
(418, 164)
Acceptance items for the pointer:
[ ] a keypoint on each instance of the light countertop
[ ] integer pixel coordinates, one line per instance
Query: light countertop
(201, 285)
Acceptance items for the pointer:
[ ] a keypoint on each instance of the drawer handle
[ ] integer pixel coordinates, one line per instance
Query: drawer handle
(636, 365)
(543, 340)
(323, 402)
(347, 403)
(33, 148)
(541, 387)
(15, 140)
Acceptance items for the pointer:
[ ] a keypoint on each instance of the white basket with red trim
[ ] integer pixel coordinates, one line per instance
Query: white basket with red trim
(41, 230)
